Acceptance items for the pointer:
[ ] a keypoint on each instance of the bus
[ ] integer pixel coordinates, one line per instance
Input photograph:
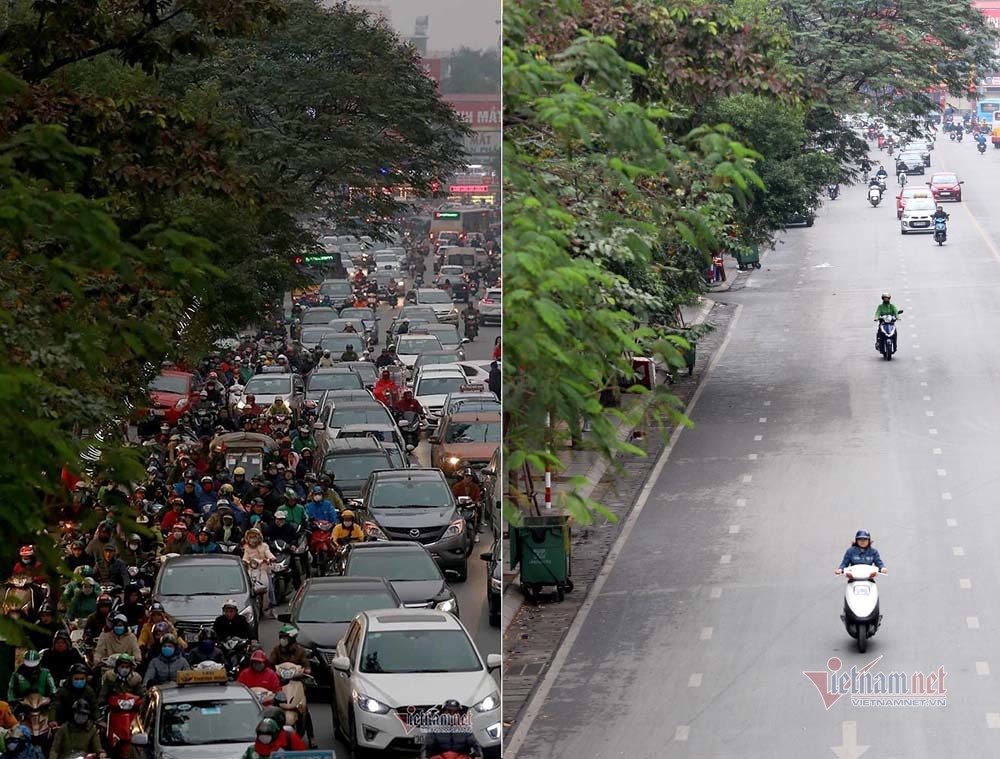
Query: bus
(462, 220)
(986, 110)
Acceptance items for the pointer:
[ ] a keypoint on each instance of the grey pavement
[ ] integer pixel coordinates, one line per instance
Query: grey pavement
(722, 595)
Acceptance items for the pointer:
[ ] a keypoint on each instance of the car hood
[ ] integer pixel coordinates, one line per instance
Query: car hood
(403, 518)
(161, 398)
(469, 450)
(194, 608)
(439, 308)
(216, 751)
(321, 634)
(428, 687)
(432, 400)
(420, 591)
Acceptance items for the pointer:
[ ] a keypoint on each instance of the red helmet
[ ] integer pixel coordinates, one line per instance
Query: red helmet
(27, 552)
(258, 655)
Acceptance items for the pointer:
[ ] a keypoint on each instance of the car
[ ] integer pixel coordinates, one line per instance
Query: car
(410, 346)
(494, 580)
(340, 292)
(908, 192)
(406, 564)
(337, 344)
(433, 385)
(400, 665)
(470, 400)
(796, 219)
(441, 301)
(367, 316)
(386, 255)
(353, 460)
(447, 238)
(447, 334)
(192, 589)
(342, 323)
(368, 411)
(914, 163)
(384, 433)
(491, 307)
(338, 377)
(492, 486)
(203, 720)
(311, 336)
(400, 456)
(946, 186)
(923, 147)
(417, 504)
(318, 316)
(173, 394)
(364, 369)
(323, 608)
(465, 439)
(917, 216)
(434, 358)
(330, 398)
(266, 388)
(411, 314)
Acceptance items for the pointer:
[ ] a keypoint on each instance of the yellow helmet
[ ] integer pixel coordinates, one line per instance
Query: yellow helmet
(348, 514)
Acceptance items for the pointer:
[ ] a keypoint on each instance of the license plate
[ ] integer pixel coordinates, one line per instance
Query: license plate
(942, 192)
(159, 412)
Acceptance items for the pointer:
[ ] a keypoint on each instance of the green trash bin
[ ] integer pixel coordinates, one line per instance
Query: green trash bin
(748, 259)
(541, 547)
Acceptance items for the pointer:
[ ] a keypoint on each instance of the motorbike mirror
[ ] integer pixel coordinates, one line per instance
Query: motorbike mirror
(465, 340)
(464, 500)
(339, 663)
(962, 182)
(410, 447)
(403, 423)
(487, 556)
(140, 739)
(900, 311)
(285, 616)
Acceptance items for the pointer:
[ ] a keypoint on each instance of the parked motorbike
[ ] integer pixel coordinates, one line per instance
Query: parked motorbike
(122, 710)
(886, 343)
(874, 196)
(940, 231)
(861, 615)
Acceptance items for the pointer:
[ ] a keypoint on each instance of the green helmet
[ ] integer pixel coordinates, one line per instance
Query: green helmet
(289, 493)
(87, 571)
(32, 658)
(268, 726)
(290, 630)
(125, 659)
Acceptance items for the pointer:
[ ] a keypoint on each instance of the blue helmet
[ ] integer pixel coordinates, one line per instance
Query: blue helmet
(863, 534)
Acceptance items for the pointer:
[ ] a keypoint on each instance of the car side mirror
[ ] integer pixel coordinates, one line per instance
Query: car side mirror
(410, 447)
(319, 426)
(285, 616)
(493, 662)
(140, 739)
(962, 182)
(487, 556)
(900, 311)
(339, 663)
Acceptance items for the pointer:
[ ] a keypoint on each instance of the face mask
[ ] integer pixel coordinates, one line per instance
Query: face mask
(317, 498)
(119, 630)
(206, 646)
(258, 666)
(348, 525)
(78, 684)
(124, 672)
(283, 642)
(168, 651)
(264, 740)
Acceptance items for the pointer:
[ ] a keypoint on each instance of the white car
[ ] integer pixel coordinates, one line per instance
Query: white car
(395, 667)
(409, 347)
(476, 372)
(917, 216)
(490, 307)
(266, 388)
(432, 386)
(444, 308)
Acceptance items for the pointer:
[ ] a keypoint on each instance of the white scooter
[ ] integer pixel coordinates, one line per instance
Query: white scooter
(874, 195)
(861, 614)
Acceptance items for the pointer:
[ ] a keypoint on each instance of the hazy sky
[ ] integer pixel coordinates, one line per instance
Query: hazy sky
(453, 23)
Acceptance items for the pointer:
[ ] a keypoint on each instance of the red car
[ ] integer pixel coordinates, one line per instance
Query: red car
(946, 186)
(905, 193)
(173, 393)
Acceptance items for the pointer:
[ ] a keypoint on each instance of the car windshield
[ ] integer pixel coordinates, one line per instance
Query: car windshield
(335, 381)
(335, 289)
(451, 271)
(495, 295)
(358, 313)
(204, 722)
(417, 312)
(366, 370)
(319, 316)
(945, 179)
(446, 333)
(354, 466)
(279, 385)
(166, 383)
(916, 192)
(198, 578)
(413, 651)
(339, 343)
(342, 417)
(473, 432)
(484, 404)
(416, 493)
(342, 606)
(417, 345)
(395, 566)
(439, 385)
(433, 296)
(430, 359)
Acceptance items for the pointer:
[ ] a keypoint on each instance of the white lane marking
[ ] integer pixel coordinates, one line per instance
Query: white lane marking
(986, 239)
(936, 451)
(849, 749)
(927, 397)
(993, 720)
(982, 667)
(741, 502)
(932, 431)
(726, 558)
(747, 478)
(758, 438)
(972, 623)
(923, 384)
(957, 551)
(715, 593)
(752, 457)
(767, 403)
(929, 413)
(942, 472)
(695, 680)
(680, 734)
(965, 584)
(951, 522)
(733, 529)
(706, 633)
(762, 420)
(946, 496)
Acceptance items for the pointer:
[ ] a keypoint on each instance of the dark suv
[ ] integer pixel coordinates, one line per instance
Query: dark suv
(417, 504)
(352, 460)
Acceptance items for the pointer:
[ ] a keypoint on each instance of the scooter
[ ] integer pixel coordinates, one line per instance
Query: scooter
(236, 651)
(861, 615)
(410, 425)
(321, 546)
(300, 556)
(833, 191)
(981, 147)
(886, 342)
(874, 196)
(294, 681)
(122, 709)
(281, 569)
(940, 231)
(472, 320)
(33, 713)
(260, 579)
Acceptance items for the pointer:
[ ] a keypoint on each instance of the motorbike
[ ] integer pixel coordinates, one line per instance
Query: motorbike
(300, 555)
(958, 136)
(940, 231)
(25, 594)
(861, 615)
(236, 651)
(33, 712)
(473, 516)
(280, 425)
(951, 135)
(410, 425)
(281, 569)
(886, 343)
(874, 195)
(981, 147)
(472, 326)
(451, 755)
(294, 681)
(122, 709)
(833, 191)
(321, 546)
(260, 578)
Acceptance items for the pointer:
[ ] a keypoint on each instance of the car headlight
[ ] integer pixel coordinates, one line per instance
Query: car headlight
(369, 704)
(372, 530)
(448, 606)
(489, 703)
(455, 528)
(181, 403)
(247, 613)
(453, 460)
(494, 731)
(455, 310)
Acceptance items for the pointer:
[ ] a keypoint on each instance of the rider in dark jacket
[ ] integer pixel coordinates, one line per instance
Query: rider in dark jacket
(861, 551)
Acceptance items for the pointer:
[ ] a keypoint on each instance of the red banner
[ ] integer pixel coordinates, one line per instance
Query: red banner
(478, 111)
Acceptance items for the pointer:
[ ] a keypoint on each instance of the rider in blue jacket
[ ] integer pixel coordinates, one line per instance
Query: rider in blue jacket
(319, 508)
(861, 552)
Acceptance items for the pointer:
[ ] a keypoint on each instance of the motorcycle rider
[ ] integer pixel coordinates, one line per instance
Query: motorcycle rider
(98, 621)
(462, 743)
(319, 509)
(304, 439)
(227, 530)
(109, 568)
(231, 624)
(133, 606)
(164, 667)
(79, 735)
(861, 551)
(881, 174)
(349, 354)
(325, 360)
(470, 318)
(60, 658)
(118, 640)
(133, 554)
(385, 359)
(30, 678)
(256, 548)
(178, 541)
(77, 557)
(271, 738)
(241, 486)
(75, 688)
(29, 566)
(157, 616)
(49, 625)
(385, 384)
(120, 680)
(206, 650)
(495, 381)
(83, 602)
(885, 308)
(259, 674)
(203, 543)
(278, 408)
(409, 403)
(347, 531)
(288, 650)
(940, 213)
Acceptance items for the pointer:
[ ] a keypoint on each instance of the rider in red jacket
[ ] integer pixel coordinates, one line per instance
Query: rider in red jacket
(259, 674)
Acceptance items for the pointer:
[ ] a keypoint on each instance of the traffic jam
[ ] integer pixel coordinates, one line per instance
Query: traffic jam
(311, 562)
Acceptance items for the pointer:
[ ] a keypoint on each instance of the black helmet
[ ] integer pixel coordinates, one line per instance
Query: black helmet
(81, 706)
(61, 635)
(451, 705)
(79, 669)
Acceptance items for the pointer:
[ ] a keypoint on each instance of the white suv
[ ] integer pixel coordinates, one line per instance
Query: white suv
(395, 668)
(490, 307)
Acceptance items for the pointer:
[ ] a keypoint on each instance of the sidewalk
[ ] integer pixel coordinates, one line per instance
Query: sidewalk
(533, 633)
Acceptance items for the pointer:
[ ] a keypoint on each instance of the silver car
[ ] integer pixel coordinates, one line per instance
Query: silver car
(917, 216)
(491, 306)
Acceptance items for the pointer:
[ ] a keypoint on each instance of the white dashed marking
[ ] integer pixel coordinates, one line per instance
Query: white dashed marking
(929, 413)
(993, 720)
(752, 457)
(965, 584)
(957, 551)
(932, 431)
(927, 397)
(741, 502)
(695, 680)
(733, 529)
(942, 472)
(726, 558)
(715, 593)
(767, 403)
(762, 420)
(747, 478)
(936, 451)
(972, 623)
(982, 667)
(758, 438)
(706, 633)
(946, 496)
(951, 522)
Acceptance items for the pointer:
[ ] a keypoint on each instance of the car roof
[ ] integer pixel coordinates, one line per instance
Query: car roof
(171, 693)
(350, 445)
(473, 395)
(339, 581)
(333, 370)
(413, 473)
(443, 370)
(384, 620)
(374, 426)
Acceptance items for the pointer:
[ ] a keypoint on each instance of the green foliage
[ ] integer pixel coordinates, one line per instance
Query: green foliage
(473, 71)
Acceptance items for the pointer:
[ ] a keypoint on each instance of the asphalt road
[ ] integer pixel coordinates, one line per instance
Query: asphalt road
(471, 594)
(723, 594)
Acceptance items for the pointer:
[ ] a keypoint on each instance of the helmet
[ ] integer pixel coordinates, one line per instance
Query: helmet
(289, 493)
(134, 537)
(230, 603)
(103, 599)
(239, 471)
(347, 514)
(120, 618)
(317, 490)
(81, 706)
(46, 608)
(79, 544)
(213, 375)
(451, 704)
(226, 489)
(61, 635)
(268, 726)
(125, 659)
(258, 655)
(156, 606)
(290, 630)
(161, 627)
(280, 514)
(467, 472)
(32, 659)
(168, 638)
(886, 296)
(79, 669)
(27, 552)
(863, 535)
(206, 478)
(206, 633)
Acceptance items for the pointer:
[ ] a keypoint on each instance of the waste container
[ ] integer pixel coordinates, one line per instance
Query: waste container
(747, 259)
(541, 547)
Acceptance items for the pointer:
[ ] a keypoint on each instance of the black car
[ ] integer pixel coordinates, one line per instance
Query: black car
(411, 570)
(323, 608)
(795, 219)
(352, 460)
(417, 504)
(494, 580)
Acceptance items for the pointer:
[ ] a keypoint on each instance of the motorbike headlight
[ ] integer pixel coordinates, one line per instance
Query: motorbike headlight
(455, 528)
(373, 531)
(453, 460)
(489, 703)
(448, 606)
(494, 731)
(369, 704)
(247, 613)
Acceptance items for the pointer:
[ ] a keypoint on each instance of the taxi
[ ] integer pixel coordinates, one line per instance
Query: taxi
(908, 192)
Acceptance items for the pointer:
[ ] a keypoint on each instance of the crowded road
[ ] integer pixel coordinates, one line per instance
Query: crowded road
(723, 596)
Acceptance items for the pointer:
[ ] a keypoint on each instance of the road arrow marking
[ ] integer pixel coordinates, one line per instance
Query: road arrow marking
(850, 748)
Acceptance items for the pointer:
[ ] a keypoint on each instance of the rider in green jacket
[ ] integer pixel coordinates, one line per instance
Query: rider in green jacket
(884, 308)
